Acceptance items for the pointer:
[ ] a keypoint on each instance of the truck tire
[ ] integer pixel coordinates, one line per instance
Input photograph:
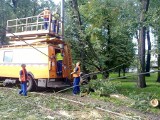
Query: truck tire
(30, 83)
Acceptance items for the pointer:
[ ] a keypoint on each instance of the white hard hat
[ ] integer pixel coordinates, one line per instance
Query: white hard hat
(61, 46)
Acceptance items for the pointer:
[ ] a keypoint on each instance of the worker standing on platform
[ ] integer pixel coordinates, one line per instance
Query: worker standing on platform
(23, 80)
(46, 14)
(76, 76)
(55, 21)
(59, 59)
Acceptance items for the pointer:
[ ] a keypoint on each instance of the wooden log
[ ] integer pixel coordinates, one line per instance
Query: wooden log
(154, 103)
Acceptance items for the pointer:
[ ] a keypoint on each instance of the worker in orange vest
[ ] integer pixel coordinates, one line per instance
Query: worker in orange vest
(46, 14)
(76, 76)
(23, 80)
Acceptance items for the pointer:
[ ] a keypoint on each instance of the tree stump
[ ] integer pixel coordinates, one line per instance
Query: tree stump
(154, 103)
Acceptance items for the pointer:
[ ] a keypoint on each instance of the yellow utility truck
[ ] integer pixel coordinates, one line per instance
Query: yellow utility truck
(37, 48)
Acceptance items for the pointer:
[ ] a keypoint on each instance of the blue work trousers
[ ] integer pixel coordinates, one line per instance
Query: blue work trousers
(23, 88)
(59, 67)
(55, 26)
(76, 87)
(46, 22)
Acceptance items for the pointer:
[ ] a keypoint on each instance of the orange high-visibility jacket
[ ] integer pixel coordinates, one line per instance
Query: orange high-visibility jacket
(46, 13)
(24, 75)
(77, 73)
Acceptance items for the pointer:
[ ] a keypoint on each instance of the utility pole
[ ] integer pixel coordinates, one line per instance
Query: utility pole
(62, 19)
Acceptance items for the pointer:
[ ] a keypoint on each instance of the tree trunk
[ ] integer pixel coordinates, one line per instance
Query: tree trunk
(3, 24)
(119, 72)
(148, 54)
(77, 14)
(158, 76)
(109, 42)
(15, 5)
(107, 62)
(141, 69)
(124, 70)
(76, 11)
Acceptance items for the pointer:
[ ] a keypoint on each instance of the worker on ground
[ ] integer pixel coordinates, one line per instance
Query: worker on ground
(59, 59)
(55, 21)
(46, 14)
(76, 76)
(23, 80)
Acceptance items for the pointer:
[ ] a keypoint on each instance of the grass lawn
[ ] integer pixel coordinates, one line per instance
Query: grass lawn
(42, 107)
(32, 107)
(128, 87)
(35, 107)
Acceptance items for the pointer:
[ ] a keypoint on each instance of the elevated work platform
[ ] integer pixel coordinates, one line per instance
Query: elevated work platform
(32, 28)
(54, 42)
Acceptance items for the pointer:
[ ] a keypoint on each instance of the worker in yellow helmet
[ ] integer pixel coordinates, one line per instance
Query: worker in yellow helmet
(59, 59)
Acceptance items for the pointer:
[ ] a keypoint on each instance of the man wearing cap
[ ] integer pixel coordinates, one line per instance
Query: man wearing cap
(23, 80)
(46, 14)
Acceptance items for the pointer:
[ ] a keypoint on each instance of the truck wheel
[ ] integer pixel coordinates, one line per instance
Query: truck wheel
(30, 83)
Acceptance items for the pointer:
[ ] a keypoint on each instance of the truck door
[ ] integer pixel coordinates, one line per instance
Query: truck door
(53, 69)
(52, 62)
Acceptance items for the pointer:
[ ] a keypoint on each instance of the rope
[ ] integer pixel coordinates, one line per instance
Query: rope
(94, 73)
(60, 63)
(25, 42)
(135, 75)
(109, 79)
(32, 46)
(86, 75)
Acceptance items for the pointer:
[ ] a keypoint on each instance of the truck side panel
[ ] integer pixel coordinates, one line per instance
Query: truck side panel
(12, 57)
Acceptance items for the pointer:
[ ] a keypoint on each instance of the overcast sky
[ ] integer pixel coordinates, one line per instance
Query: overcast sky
(56, 1)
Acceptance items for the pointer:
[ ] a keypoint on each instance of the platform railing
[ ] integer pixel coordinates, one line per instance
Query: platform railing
(33, 23)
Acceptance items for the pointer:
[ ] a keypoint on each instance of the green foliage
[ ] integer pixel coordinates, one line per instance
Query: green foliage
(102, 86)
(12, 9)
(104, 39)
